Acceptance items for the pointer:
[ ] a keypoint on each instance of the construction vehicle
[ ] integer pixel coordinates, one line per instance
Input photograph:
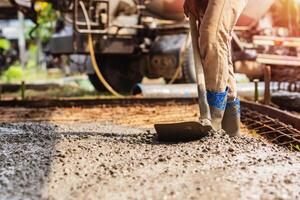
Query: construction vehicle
(132, 39)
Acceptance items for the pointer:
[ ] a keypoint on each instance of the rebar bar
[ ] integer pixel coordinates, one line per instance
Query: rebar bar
(272, 129)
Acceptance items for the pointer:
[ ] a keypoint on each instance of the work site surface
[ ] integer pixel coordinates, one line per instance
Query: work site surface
(111, 152)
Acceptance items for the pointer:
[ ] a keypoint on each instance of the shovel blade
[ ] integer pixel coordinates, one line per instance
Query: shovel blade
(184, 131)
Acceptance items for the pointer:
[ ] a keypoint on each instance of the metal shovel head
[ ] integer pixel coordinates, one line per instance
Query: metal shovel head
(183, 131)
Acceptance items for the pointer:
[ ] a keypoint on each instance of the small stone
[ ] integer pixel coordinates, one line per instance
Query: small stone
(66, 171)
(287, 181)
(60, 155)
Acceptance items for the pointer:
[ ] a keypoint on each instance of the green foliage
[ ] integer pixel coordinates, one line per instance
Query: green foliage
(295, 147)
(4, 44)
(13, 74)
(47, 17)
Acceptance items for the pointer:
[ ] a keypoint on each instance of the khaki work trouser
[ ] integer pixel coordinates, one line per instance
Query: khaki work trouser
(215, 44)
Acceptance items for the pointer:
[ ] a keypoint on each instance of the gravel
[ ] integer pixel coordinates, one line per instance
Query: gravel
(107, 161)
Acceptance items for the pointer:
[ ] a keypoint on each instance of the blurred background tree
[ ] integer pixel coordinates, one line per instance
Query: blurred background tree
(46, 19)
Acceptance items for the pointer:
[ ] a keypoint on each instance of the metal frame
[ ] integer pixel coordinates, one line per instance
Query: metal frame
(77, 23)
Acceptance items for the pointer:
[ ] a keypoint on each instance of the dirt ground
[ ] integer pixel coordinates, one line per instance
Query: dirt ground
(112, 153)
(138, 115)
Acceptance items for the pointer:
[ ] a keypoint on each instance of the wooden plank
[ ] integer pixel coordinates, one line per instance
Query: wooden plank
(270, 59)
(276, 41)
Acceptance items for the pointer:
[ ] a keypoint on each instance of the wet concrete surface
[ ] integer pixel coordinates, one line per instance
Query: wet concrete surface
(108, 161)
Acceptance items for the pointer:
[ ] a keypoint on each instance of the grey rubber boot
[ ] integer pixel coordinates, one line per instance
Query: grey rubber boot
(217, 103)
(232, 118)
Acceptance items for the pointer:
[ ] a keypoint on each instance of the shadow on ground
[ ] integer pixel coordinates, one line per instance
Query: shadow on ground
(26, 153)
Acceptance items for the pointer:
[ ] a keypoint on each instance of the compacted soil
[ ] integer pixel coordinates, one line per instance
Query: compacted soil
(113, 153)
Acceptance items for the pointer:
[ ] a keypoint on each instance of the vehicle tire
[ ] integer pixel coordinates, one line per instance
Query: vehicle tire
(189, 73)
(118, 72)
(188, 69)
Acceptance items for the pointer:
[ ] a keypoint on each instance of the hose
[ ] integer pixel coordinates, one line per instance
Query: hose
(93, 57)
(33, 30)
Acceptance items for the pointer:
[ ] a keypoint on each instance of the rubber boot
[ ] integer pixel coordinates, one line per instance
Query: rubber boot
(217, 103)
(232, 118)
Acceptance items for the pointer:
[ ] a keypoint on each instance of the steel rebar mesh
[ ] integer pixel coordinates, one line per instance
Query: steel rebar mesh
(272, 129)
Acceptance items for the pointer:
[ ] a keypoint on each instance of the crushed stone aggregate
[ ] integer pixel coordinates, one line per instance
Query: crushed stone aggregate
(41, 160)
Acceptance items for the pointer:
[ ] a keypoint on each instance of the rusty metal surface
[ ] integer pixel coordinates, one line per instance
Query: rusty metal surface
(267, 77)
(274, 113)
(273, 129)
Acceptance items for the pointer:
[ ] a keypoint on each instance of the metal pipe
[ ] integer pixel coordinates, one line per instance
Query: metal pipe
(23, 88)
(22, 42)
(256, 92)
(267, 77)
(245, 90)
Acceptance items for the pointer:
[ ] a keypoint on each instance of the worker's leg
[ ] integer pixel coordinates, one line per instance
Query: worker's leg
(215, 37)
(232, 116)
(231, 83)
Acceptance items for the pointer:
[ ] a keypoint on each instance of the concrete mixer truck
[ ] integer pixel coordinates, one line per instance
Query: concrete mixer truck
(131, 39)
